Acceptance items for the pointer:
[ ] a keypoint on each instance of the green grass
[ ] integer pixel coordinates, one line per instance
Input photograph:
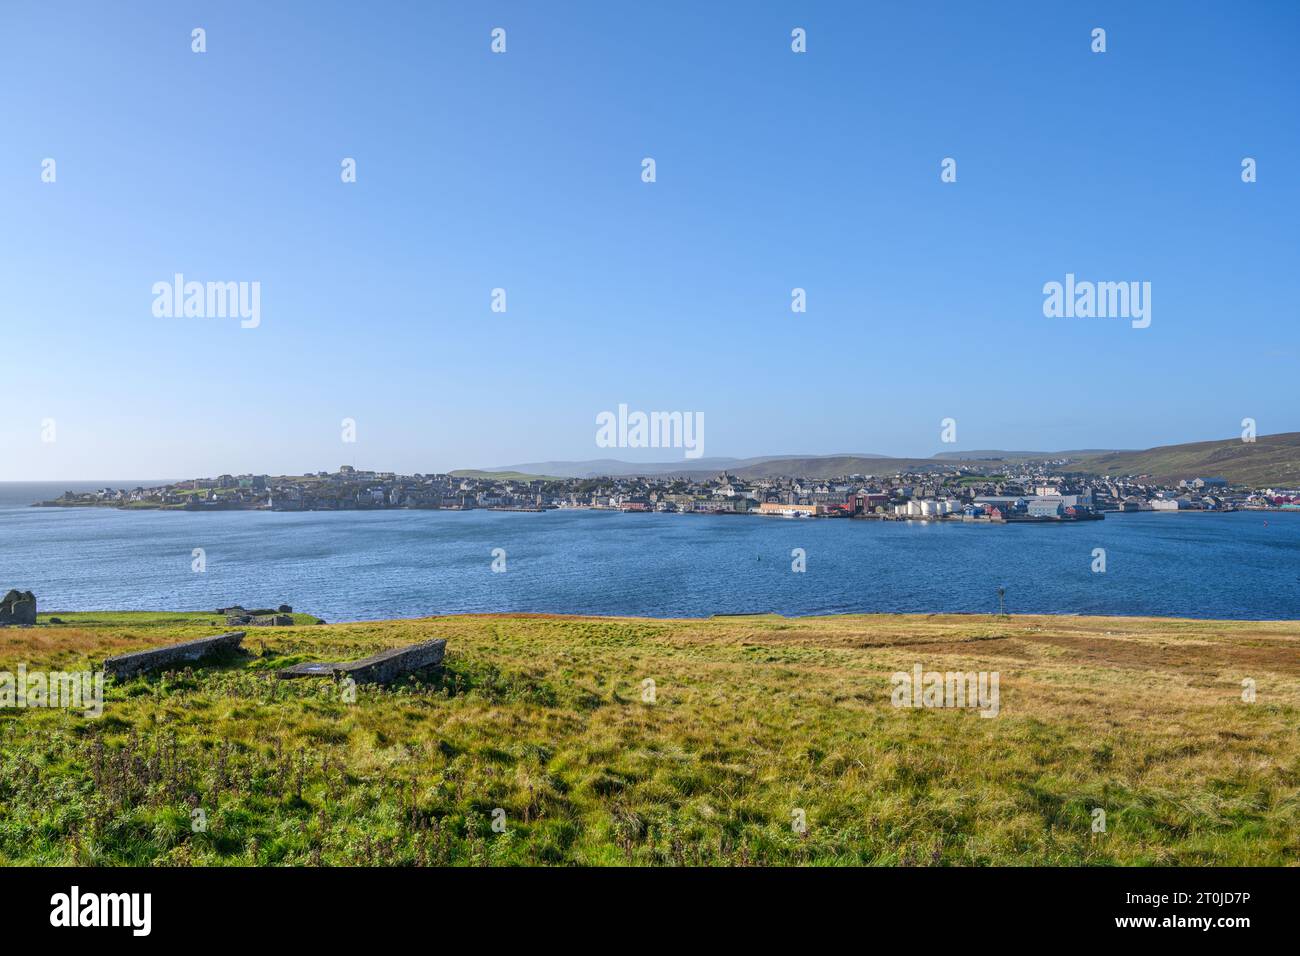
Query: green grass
(1269, 460)
(753, 719)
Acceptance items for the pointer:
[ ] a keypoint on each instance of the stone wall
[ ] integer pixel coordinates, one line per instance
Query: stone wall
(382, 668)
(174, 655)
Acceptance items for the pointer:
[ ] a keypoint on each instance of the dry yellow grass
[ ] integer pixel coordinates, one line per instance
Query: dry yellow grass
(754, 719)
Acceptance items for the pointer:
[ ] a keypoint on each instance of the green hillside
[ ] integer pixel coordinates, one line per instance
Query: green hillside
(1269, 460)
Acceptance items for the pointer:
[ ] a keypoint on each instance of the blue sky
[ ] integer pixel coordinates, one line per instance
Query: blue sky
(522, 171)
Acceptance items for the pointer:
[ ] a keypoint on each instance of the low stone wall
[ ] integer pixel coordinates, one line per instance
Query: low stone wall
(382, 668)
(187, 652)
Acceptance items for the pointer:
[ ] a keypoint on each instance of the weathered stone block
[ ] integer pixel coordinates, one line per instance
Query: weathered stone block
(187, 652)
(382, 668)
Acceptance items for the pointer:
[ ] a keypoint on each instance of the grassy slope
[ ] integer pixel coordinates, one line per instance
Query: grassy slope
(1269, 460)
(754, 718)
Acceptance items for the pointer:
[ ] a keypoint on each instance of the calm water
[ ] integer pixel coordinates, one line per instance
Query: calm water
(356, 566)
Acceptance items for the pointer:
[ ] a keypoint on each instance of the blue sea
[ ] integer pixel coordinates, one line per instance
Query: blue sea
(347, 566)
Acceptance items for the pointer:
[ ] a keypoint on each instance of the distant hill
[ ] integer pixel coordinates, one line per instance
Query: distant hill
(990, 454)
(830, 466)
(501, 475)
(690, 467)
(601, 467)
(1269, 460)
(995, 455)
(808, 466)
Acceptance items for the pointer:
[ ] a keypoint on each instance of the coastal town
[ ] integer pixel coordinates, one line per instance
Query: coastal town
(1025, 492)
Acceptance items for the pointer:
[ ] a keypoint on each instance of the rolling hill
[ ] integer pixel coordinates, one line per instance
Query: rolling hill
(692, 467)
(1269, 460)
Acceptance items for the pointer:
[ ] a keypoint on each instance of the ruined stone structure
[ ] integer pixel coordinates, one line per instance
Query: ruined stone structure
(239, 617)
(270, 620)
(18, 607)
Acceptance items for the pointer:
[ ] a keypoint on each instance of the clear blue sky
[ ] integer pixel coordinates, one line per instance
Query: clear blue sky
(522, 171)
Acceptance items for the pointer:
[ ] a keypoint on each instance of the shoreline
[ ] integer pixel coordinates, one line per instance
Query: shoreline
(944, 519)
(152, 615)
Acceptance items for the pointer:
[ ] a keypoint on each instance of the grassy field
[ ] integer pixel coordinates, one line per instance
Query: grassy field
(540, 722)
